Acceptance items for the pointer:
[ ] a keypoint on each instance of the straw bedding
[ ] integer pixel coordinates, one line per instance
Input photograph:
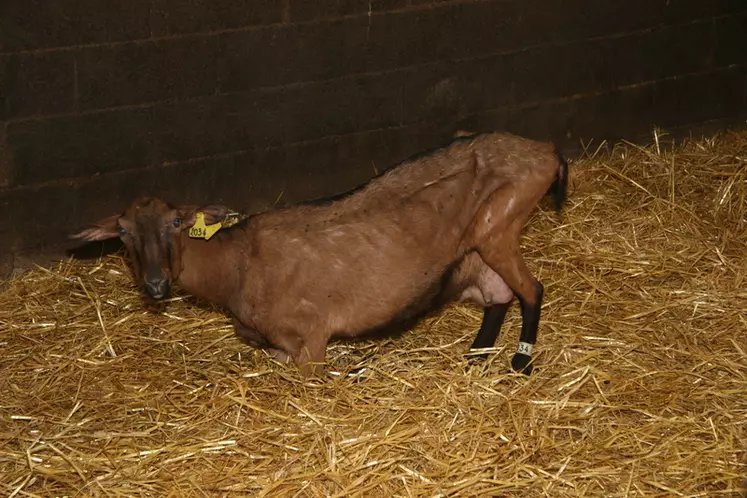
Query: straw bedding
(640, 387)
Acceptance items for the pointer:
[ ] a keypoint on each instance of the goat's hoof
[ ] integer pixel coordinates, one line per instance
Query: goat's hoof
(522, 363)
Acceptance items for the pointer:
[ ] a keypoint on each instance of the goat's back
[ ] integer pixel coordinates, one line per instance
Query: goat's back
(476, 165)
(354, 264)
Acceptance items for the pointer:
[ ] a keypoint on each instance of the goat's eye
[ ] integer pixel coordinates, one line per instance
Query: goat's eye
(122, 231)
(177, 222)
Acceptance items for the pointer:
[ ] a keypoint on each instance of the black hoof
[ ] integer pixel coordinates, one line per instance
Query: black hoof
(521, 363)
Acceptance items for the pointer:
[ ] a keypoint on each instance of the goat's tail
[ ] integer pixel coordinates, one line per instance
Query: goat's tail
(558, 189)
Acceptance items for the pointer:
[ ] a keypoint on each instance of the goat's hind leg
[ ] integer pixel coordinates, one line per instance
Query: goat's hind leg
(495, 297)
(530, 310)
(476, 282)
(503, 256)
(490, 329)
(489, 290)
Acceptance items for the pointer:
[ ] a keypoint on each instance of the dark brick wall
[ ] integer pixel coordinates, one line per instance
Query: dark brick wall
(251, 102)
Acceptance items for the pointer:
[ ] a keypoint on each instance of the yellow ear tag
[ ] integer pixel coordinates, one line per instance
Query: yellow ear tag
(201, 231)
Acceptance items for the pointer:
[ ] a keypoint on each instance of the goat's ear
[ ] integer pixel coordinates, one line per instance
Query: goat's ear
(101, 230)
(187, 215)
(213, 214)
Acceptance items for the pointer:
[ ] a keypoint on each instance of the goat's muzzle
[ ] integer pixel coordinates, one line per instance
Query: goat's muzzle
(157, 288)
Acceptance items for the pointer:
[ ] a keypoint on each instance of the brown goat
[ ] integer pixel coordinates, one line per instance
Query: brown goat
(441, 227)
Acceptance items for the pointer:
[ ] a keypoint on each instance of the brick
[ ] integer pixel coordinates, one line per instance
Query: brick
(7, 259)
(330, 49)
(136, 73)
(551, 21)
(33, 24)
(79, 146)
(308, 172)
(263, 176)
(326, 167)
(661, 53)
(448, 32)
(426, 2)
(37, 84)
(194, 182)
(703, 97)
(731, 39)
(384, 5)
(199, 128)
(560, 70)
(3, 97)
(280, 55)
(367, 154)
(199, 16)
(450, 91)
(687, 10)
(5, 83)
(305, 10)
(276, 116)
(338, 107)
(5, 173)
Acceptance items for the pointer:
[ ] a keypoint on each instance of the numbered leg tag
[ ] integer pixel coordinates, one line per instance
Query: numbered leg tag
(525, 348)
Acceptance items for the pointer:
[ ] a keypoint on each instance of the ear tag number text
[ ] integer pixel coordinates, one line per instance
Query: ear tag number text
(202, 231)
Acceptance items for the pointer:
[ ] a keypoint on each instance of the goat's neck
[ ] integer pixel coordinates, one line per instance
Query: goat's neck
(209, 269)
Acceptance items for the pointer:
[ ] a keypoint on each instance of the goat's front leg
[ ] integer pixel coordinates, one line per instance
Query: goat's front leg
(278, 355)
(255, 340)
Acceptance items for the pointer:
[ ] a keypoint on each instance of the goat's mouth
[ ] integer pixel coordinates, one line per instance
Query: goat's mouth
(157, 289)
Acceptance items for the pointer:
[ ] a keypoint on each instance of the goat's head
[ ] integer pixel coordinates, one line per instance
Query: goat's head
(151, 230)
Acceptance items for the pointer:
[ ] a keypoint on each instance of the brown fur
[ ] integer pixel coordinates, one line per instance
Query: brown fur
(441, 227)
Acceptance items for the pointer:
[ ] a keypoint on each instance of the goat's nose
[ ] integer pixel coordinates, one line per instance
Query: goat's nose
(156, 287)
